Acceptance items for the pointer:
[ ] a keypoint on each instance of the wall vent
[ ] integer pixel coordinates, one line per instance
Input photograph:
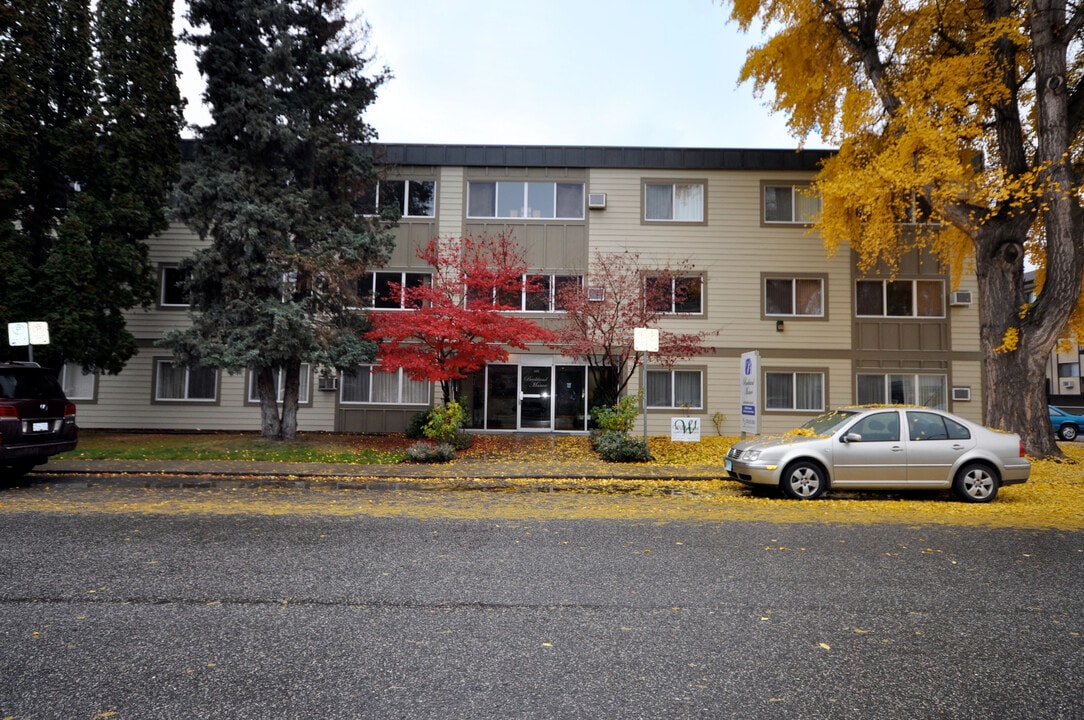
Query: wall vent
(961, 394)
(596, 201)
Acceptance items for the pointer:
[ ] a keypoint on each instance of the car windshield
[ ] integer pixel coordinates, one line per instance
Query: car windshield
(827, 423)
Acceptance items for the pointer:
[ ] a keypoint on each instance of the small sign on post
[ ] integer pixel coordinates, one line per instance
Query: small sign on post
(645, 340)
(28, 334)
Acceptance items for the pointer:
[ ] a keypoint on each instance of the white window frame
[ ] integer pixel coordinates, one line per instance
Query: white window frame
(794, 390)
(914, 391)
(502, 189)
(369, 294)
(76, 382)
(672, 405)
(401, 381)
(797, 191)
(793, 296)
(158, 363)
(698, 217)
(304, 390)
(914, 298)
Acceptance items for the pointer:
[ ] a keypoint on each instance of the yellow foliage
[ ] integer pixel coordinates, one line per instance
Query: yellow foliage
(1009, 341)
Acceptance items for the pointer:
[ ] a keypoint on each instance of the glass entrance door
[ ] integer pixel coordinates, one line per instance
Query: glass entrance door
(536, 397)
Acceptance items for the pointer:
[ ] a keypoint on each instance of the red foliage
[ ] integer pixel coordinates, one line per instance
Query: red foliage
(600, 331)
(460, 321)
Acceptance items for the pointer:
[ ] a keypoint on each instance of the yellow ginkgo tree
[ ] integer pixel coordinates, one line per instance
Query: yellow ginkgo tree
(959, 127)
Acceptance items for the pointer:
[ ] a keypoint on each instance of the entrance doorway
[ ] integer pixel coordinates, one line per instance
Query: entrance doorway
(532, 394)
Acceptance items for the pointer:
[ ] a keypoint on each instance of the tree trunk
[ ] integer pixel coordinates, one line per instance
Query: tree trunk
(267, 388)
(1014, 378)
(291, 393)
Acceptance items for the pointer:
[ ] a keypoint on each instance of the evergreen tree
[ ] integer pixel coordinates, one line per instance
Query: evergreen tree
(92, 123)
(273, 186)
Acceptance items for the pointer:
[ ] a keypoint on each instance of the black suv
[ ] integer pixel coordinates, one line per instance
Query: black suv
(36, 420)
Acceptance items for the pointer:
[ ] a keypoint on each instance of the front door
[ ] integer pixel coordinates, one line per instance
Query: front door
(536, 397)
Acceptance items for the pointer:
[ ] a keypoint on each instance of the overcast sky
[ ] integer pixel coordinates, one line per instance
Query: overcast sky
(659, 73)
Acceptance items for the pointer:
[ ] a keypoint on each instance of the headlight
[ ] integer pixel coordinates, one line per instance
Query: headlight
(750, 455)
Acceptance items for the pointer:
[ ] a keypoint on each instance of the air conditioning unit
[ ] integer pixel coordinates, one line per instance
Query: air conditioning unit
(960, 298)
(328, 382)
(596, 294)
(961, 394)
(596, 201)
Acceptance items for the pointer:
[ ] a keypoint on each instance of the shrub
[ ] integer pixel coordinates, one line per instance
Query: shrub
(415, 429)
(444, 422)
(620, 447)
(619, 418)
(462, 440)
(427, 452)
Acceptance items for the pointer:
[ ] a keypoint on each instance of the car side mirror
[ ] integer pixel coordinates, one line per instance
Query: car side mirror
(851, 437)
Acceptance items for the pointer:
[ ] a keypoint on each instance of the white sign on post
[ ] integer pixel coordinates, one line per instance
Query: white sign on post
(750, 392)
(18, 334)
(645, 339)
(39, 333)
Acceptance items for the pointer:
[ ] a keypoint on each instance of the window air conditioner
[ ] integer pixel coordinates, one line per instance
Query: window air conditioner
(960, 298)
(596, 201)
(961, 394)
(328, 382)
(596, 294)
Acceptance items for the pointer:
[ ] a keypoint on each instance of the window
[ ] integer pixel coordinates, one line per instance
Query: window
(414, 198)
(1066, 370)
(675, 389)
(794, 297)
(900, 298)
(881, 427)
(280, 381)
(176, 382)
(532, 200)
(375, 289)
(928, 426)
(903, 389)
(78, 385)
(369, 384)
(794, 391)
(675, 294)
(790, 204)
(540, 293)
(172, 292)
(674, 202)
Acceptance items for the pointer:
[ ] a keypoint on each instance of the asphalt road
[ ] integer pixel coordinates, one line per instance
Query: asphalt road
(171, 614)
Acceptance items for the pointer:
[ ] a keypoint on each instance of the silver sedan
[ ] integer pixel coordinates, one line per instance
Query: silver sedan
(889, 448)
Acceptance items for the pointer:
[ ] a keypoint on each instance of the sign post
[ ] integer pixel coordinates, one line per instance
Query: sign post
(644, 340)
(750, 393)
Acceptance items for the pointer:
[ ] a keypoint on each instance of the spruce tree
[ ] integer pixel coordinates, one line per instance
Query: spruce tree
(273, 187)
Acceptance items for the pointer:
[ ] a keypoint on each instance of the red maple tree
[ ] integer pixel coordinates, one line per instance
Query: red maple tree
(461, 320)
(623, 294)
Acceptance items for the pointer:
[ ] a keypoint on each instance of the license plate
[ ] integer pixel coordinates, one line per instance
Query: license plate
(728, 465)
(39, 427)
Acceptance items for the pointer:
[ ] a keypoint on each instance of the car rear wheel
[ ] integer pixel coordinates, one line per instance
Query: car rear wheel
(1067, 432)
(804, 480)
(975, 483)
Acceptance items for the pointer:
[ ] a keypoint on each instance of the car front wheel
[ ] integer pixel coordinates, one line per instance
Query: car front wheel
(975, 483)
(1067, 432)
(804, 480)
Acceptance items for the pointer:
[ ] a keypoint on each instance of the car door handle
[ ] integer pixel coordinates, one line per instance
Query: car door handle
(897, 448)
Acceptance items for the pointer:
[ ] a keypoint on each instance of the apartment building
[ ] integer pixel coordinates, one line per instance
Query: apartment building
(738, 218)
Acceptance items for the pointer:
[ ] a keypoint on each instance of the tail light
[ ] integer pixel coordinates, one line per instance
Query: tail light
(6, 411)
(69, 414)
(1022, 453)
